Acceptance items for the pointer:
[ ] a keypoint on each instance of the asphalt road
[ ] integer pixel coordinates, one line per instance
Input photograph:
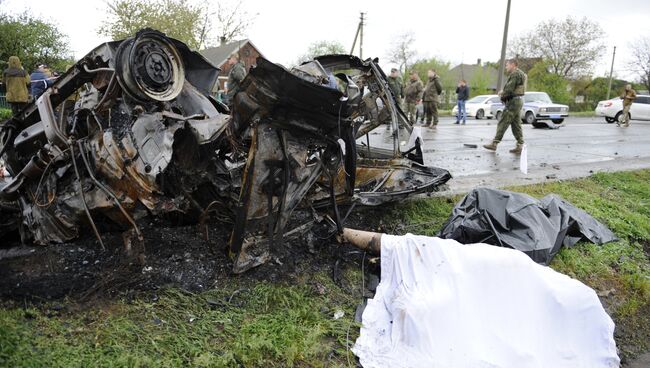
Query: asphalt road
(580, 147)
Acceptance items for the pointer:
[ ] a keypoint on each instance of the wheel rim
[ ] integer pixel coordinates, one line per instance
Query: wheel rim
(530, 118)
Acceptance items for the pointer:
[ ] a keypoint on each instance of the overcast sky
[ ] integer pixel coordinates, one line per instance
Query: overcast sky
(457, 31)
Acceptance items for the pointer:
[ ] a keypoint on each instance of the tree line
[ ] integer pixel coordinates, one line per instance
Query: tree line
(199, 25)
(558, 55)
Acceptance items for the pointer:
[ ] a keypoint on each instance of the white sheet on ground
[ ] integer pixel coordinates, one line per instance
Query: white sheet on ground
(444, 304)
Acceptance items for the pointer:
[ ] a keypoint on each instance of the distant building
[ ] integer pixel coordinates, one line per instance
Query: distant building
(248, 54)
(476, 73)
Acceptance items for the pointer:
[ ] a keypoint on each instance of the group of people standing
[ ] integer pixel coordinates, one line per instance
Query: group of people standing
(21, 86)
(511, 96)
(415, 91)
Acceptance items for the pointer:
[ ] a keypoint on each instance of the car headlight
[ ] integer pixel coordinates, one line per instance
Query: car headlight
(565, 109)
(542, 109)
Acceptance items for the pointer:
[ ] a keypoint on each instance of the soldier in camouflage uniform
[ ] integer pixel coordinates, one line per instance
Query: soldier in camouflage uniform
(235, 77)
(430, 97)
(628, 97)
(413, 92)
(512, 98)
(395, 84)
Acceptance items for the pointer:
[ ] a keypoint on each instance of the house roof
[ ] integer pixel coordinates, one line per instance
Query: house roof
(220, 54)
(469, 71)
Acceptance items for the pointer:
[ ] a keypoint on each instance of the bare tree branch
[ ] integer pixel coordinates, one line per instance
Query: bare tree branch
(640, 60)
(572, 47)
(402, 52)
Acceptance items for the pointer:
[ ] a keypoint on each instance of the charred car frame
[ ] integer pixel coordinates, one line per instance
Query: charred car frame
(131, 131)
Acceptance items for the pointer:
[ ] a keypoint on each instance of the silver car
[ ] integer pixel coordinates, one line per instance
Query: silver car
(538, 109)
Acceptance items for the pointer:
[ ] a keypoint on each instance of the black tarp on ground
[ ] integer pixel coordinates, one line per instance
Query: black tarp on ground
(536, 227)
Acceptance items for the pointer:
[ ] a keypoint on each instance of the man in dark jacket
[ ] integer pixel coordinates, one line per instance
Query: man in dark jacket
(430, 98)
(395, 84)
(16, 80)
(40, 81)
(235, 77)
(462, 94)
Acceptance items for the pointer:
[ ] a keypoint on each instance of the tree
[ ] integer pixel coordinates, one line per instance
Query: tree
(539, 79)
(401, 51)
(480, 82)
(34, 41)
(232, 20)
(319, 48)
(597, 89)
(640, 63)
(179, 19)
(176, 18)
(571, 47)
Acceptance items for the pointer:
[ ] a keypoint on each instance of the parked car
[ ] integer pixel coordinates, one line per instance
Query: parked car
(612, 109)
(478, 107)
(538, 109)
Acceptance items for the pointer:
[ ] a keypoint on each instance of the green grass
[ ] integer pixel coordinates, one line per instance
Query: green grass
(251, 325)
(243, 323)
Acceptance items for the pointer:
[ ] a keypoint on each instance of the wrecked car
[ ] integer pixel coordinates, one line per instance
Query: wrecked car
(131, 131)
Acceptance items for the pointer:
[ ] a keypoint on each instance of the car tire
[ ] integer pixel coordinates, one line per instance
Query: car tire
(480, 114)
(529, 118)
(610, 120)
(619, 116)
(498, 116)
(557, 121)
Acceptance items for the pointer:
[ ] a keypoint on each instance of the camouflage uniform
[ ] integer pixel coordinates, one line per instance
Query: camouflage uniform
(395, 85)
(236, 75)
(412, 94)
(430, 99)
(512, 91)
(628, 97)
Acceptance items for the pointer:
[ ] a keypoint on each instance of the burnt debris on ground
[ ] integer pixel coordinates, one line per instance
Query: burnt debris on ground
(130, 134)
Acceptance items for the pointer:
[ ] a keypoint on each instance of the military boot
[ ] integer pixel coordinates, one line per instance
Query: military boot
(517, 150)
(492, 146)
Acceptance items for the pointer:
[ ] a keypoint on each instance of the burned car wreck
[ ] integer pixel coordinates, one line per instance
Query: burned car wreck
(131, 131)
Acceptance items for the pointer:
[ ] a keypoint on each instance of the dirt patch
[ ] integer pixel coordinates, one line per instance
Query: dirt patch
(632, 335)
(172, 255)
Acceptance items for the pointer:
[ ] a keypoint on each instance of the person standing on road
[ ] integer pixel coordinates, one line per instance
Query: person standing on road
(16, 80)
(511, 96)
(430, 97)
(395, 84)
(412, 94)
(235, 77)
(462, 94)
(628, 97)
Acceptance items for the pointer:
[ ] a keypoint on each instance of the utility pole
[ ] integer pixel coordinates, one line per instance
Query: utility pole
(611, 71)
(502, 63)
(359, 35)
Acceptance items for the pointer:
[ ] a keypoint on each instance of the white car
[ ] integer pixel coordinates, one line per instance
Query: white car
(478, 107)
(537, 110)
(612, 109)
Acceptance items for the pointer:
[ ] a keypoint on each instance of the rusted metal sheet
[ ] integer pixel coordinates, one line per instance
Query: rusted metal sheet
(145, 138)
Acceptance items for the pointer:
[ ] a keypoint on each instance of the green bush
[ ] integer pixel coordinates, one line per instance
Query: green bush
(5, 114)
